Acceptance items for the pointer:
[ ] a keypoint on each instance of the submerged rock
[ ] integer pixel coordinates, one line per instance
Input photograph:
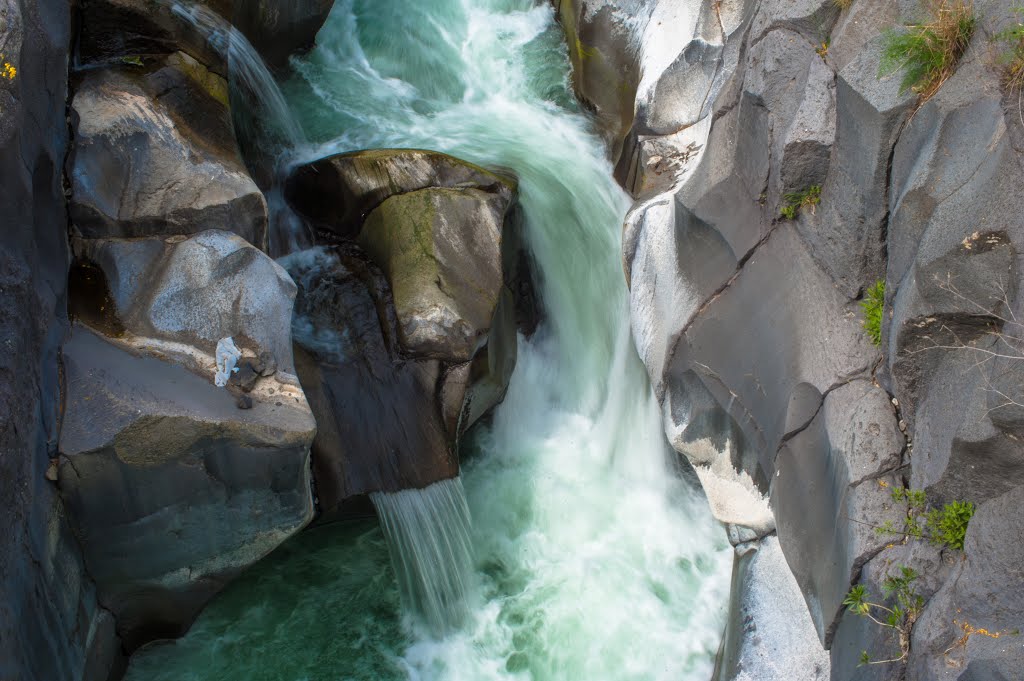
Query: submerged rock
(155, 154)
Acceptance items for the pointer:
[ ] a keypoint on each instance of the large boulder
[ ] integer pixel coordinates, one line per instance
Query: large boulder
(337, 193)
(172, 489)
(173, 485)
(441, 252)
(155, 154)
(182, 295)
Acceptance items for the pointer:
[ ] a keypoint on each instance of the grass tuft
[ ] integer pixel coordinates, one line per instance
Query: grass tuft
(1013, 58)
(842, 4)
(928, 53)
(873, 304)
(809, 198)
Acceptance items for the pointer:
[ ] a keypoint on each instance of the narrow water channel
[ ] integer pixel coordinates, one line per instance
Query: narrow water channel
(592, 560)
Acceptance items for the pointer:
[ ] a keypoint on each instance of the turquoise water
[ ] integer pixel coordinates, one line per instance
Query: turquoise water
(592, 560)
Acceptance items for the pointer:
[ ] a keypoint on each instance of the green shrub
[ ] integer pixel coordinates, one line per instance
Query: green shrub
(946, 526)
(794, 201)
(873, 304)
(928, 53)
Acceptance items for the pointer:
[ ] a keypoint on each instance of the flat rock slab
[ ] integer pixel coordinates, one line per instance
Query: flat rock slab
(171, 489)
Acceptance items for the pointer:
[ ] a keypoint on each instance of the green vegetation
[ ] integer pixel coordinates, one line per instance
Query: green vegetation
(133, 60)
(810, 198)
(842, 4)
(1013, 58)
(945, 526)
(873, 304)
(904, 607)
(928, 53)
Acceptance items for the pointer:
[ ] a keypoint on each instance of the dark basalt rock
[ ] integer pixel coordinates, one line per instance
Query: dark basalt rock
(337, 193)
(380, 425)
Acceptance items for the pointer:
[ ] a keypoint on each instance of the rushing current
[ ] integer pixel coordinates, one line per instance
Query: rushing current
(591, 557)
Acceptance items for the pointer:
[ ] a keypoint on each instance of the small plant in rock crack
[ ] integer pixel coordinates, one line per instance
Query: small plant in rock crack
(873, 304)
(944, 527)
(1013, 57)
(899, 610)
(928, 53)
(794, 201)
(842, 4)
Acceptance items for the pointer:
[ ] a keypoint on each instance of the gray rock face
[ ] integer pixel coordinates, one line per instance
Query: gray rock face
(173, 490)
(832, 487)
(982, 593)
(155, 154)
(769, 636)
(337, 193)
(51, 625)
(180, 293)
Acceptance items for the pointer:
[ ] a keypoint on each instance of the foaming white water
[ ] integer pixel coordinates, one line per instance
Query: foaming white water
(428, 535)
(593, 559)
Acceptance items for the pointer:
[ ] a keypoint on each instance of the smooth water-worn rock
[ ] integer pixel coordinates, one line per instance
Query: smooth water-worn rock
(441, 252)
(155, 154)
(179, 296)
(171, 488)
(337, 193)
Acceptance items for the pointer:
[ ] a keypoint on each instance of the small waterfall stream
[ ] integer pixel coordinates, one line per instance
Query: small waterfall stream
(587, 556)
(428, 535)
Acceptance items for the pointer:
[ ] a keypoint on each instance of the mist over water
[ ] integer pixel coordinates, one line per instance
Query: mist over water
(593, 560)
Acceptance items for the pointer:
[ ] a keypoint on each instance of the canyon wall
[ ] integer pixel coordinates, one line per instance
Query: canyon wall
(749, 321)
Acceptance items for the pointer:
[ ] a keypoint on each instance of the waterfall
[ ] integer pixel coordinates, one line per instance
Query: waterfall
(246, 66)
(428, 535)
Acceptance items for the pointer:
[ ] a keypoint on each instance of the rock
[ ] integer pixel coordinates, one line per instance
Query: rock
(847, 231)
(244, 378)
(179, 296)
(441, 252)
(51, 625)
(245, 402)
(832, 487)
(277, 29)
(337, 193)
(982, 594)
(768, 636)
(379, 415)
(162, 476)
(155, 154)
(267, 363)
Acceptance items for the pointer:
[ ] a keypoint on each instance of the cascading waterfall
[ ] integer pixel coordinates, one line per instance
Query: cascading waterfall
(591, 558)
(428, 535)
(246, 67)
